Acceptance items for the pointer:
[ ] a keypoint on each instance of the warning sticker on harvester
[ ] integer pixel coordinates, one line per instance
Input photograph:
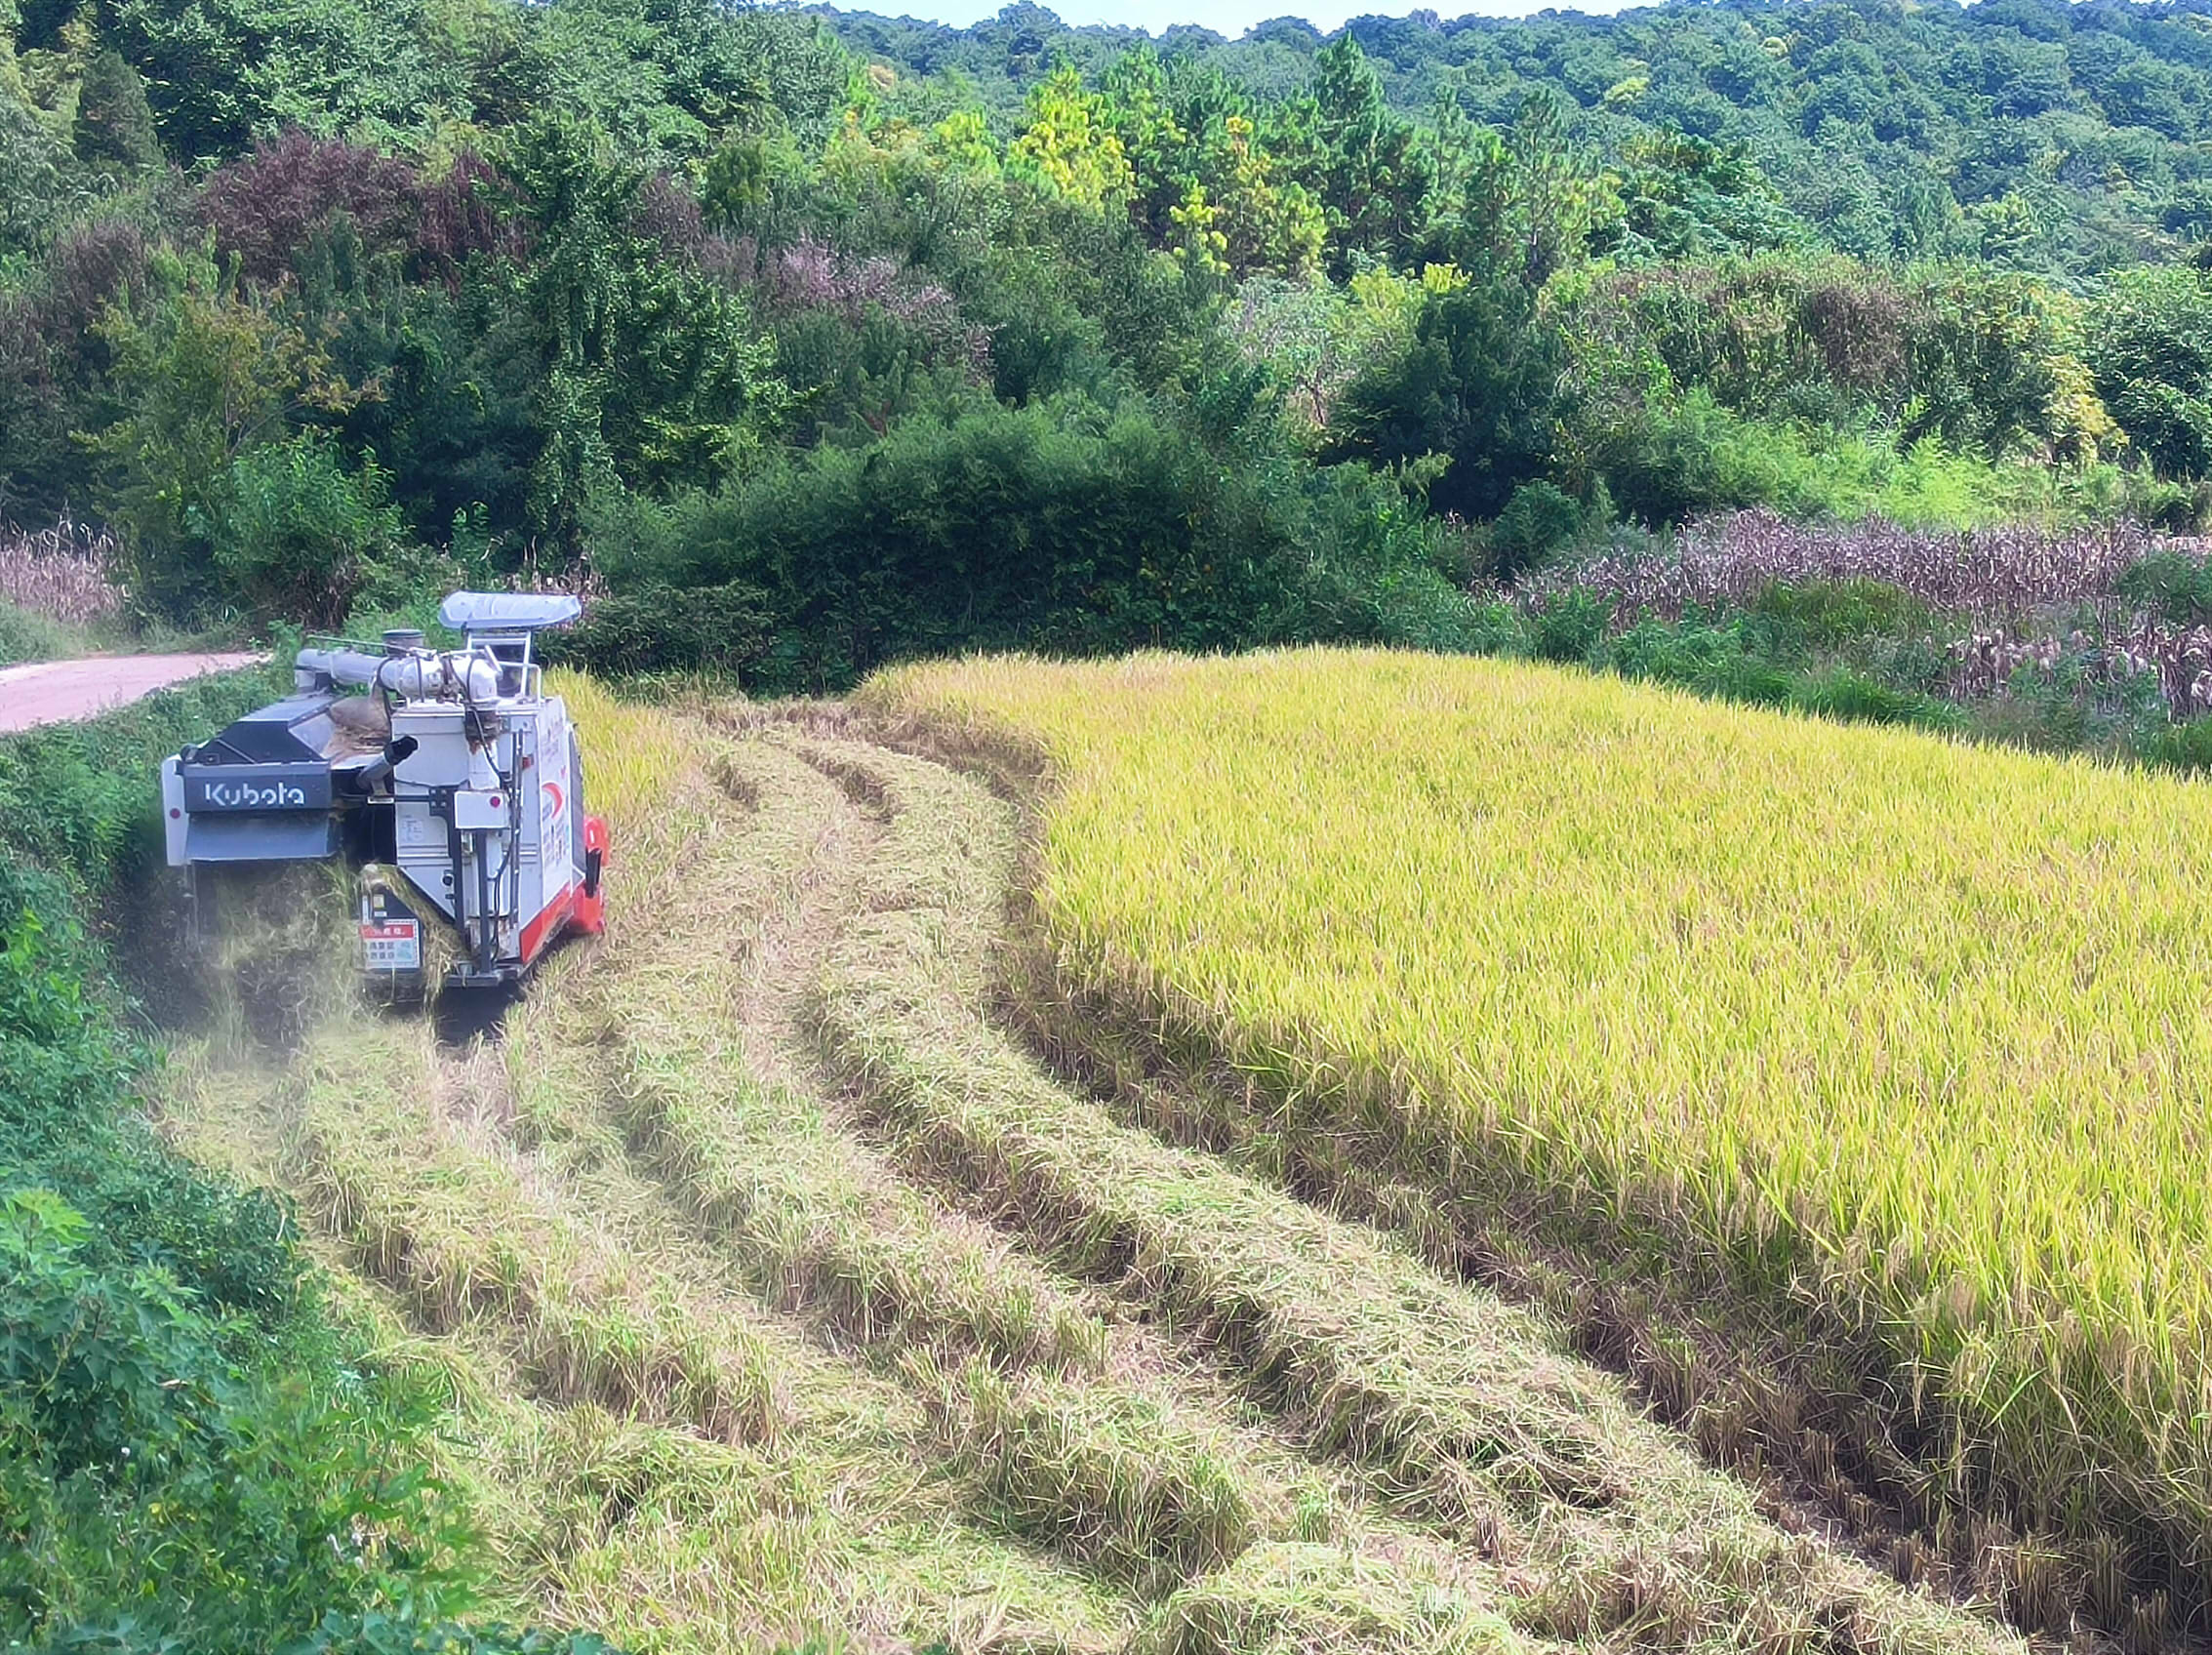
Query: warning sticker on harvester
(392, 937)
(396, 946)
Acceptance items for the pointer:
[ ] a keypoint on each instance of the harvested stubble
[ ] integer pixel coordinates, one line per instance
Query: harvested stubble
(748, 1147)
(1286, 1599)
(813, 1224)
(439, 1212)
(657, 1459)
(1899, 1040)
(1462, 1409)
(1114, 1457)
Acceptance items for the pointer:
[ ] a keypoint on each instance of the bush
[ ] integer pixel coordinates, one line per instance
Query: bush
(1539, 522)
(403, 1635)
(27, 636)
(2170, 587)
(1841, 693)
(663, 629)
(300, 536)
(1713, 661)
(1477, 384)
(82, 799)
(1064, 527)
(182, 1455)
(2182, 747)
(1568, 629)
(1830, 613)
(1669, 462)
(191, 1456)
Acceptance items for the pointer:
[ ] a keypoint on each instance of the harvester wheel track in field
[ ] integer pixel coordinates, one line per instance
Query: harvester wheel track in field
(783, 1293)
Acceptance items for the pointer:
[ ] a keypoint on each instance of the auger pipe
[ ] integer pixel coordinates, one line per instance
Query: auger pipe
(415, 676)
(340, 666)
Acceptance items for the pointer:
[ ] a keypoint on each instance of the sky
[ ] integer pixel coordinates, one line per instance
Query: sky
(1231, 18)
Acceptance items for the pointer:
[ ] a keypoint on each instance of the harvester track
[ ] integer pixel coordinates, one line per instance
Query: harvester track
(786, 1294)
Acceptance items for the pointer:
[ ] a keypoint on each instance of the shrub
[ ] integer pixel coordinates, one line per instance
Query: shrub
(1062, 526)
(25, 636)
(1477, 384)
(1827, 613)
(1538, 522)
(1713, 661)
(81, 799)
(2171, 587)
(2181, 746)
(180, 1454)
(1568, 628)
(300, 535)
(379, 1633)
(663, 629)
(1841, 693)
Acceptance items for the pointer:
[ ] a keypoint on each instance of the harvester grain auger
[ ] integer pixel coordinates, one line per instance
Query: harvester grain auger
(446, 784)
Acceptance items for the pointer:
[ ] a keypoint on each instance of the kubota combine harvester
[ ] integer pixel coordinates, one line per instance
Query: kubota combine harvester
(447, 781)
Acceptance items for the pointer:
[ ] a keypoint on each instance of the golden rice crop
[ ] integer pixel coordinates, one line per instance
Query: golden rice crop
(1911, 1031)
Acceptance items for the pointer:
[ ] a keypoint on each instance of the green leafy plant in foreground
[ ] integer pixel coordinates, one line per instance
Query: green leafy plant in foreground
(183, 1452)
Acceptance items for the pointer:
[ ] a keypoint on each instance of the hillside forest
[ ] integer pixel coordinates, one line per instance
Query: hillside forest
(874, 339)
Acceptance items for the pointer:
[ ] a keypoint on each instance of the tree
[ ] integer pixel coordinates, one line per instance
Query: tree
(200, 373)
(653, 373)
(1374, 178)
(263, 206)
(1268, 221)
(1530, 202)
(1070, 147)
(299, 537)
(114, 125)
(32, 170)
(2150, 348)
(1477, 385)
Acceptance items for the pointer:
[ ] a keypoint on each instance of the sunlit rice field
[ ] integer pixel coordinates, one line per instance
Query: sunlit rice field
(1907, 1038)
(775, 1298)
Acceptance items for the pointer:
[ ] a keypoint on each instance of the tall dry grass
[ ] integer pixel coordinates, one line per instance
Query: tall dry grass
(65, 572)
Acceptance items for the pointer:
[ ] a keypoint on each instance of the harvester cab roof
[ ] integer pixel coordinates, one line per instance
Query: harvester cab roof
(447, 781)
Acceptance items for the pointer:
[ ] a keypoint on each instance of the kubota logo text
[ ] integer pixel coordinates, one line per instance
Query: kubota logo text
(248, 795)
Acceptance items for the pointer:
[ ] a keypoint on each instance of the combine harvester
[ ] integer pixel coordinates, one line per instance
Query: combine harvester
(446, 782)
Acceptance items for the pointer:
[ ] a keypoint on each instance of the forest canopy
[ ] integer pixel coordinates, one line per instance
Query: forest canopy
(877, 338)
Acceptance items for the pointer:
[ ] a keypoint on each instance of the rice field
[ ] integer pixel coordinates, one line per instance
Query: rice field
(781, 1298)
(1878, 1061)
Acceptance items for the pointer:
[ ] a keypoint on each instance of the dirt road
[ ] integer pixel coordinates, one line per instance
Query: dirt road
(52, 692)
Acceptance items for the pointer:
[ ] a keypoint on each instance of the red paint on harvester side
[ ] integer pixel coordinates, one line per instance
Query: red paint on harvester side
(591, 916)
(548, 925)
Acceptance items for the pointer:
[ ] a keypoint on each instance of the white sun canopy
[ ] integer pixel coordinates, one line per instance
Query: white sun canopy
(507, 612)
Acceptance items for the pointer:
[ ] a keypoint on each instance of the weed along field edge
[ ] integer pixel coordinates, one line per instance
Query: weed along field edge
(1842, 1086)
(775, 1289)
